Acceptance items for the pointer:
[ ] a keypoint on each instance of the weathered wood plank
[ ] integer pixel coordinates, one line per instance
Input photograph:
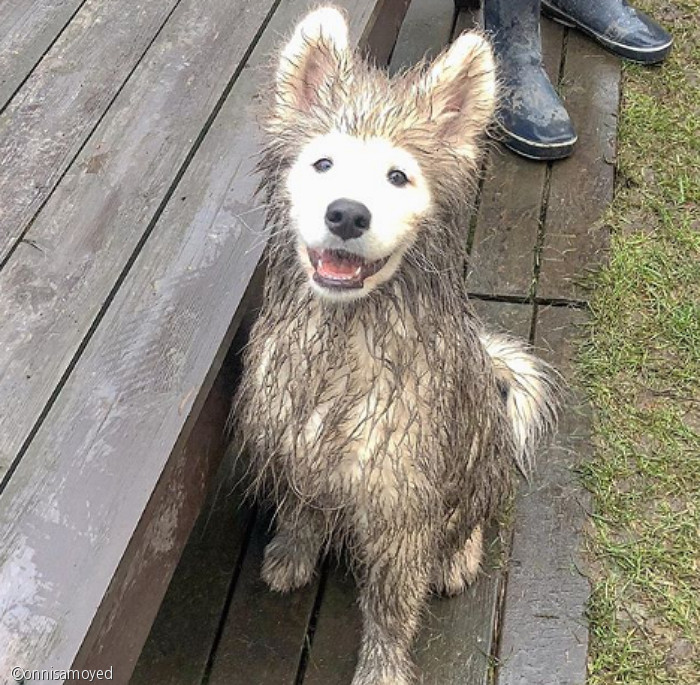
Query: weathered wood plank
(136, 590)
(575, 242)
(203, 580)
(133, 396)
(508, 317)
(57, 108)
(27, 29)
(198, 592)
(508, 222)
(58, 279)
(333, 654)
(265, 632)
(544, 636)
(382, 20)
(502, 260)
(425, 31)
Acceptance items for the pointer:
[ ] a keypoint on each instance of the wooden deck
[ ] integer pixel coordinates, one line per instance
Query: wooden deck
(535, 231)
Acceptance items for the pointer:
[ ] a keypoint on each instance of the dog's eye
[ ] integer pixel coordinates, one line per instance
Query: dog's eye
(397, 178)
(322, 165)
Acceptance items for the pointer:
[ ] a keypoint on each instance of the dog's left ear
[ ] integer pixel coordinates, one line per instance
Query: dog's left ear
(461, 85)
(315, 56)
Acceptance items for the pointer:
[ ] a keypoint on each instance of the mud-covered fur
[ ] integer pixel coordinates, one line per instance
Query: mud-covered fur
(384, 420)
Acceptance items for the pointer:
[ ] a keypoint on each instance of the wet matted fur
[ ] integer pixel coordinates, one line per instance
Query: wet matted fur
(382, 418)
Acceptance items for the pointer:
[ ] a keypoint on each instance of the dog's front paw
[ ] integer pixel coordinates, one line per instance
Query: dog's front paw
(457, 572)
(284, 568)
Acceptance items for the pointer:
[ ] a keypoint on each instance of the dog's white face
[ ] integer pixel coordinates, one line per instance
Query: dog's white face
(355, 205)
(356, 202)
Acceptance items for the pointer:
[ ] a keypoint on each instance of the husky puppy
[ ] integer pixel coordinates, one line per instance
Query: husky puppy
(378, 414)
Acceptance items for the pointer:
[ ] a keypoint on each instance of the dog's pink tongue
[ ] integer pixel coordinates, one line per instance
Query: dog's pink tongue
(332, 266)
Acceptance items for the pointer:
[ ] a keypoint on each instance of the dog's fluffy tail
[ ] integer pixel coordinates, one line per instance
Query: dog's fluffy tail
(531, 391)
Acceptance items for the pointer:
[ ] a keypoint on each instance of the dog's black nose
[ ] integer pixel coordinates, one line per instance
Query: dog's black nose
(347, 218)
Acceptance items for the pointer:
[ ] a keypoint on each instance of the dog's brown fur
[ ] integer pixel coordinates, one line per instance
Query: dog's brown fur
(386, 424)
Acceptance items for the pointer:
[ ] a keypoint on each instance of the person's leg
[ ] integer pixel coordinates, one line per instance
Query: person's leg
(531, 116)
(623, 30)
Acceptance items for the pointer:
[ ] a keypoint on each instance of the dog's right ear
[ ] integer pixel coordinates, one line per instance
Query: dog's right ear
(313, 59)
(461, 87)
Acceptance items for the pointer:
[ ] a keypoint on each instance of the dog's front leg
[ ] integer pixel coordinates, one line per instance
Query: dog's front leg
(290, 558)
(394, 588)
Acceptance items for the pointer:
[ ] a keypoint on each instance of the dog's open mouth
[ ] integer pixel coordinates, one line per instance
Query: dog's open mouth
(342, 269)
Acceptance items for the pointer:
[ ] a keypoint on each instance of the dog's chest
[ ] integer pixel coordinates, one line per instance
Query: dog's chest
(350, 407)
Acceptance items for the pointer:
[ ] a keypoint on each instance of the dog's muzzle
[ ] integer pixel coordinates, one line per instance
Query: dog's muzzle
(340, 269)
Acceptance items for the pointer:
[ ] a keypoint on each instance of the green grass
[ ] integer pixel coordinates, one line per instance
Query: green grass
(641, 367)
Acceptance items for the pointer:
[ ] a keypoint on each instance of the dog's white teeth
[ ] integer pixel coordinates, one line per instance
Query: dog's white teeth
(358, 271)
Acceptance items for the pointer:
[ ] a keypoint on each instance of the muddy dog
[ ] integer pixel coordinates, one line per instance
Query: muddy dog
(378, 414)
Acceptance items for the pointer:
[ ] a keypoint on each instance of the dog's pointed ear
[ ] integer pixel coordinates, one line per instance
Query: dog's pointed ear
(461, 85)
(312, 59)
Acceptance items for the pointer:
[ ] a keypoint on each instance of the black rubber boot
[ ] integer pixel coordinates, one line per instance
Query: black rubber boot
(531, 116)
(619, 28)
